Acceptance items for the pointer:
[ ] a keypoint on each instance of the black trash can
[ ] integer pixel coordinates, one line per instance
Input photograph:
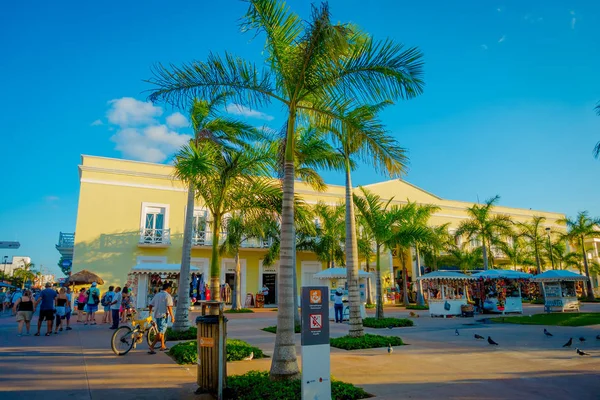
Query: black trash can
(212, 357)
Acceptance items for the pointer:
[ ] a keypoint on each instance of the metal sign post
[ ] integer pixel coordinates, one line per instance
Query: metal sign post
(316, 382)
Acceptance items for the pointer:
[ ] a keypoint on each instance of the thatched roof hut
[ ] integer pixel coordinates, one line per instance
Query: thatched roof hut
(84, 277)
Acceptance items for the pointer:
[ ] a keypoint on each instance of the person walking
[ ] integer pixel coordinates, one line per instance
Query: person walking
(24, 310)
(125, 304)
(92, 304)
(115, 307)
(61, 309)
(162, 304)
(81, 300)
(338, 306)
(68, 309)
(106, 301)
(15, 297)
(47, 300)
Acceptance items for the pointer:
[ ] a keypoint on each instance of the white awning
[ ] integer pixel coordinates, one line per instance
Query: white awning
(439, 275)
(501, 274)
(338, 273)
(156, 268)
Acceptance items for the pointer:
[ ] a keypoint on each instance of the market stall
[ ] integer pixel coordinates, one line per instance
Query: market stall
(559, 287)
(447, 292)
(337, 279)
(145, 280)
(500, 290)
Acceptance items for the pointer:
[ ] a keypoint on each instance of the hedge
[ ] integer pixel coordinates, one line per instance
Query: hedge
(187, 352)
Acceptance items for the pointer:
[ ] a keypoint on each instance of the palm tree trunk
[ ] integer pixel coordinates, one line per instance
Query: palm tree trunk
(379, 309)
(369, 295)
(420, 299)
(404, 278)
(182, 321)
(355, 323)
(484, 251)
(237, 286)
(215, 268)
(285, 364)
(588, 284)
(297, 319)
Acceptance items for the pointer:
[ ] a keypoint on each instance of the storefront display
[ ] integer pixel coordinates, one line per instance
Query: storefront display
(447, 292)
(560, 290)
(499, 291)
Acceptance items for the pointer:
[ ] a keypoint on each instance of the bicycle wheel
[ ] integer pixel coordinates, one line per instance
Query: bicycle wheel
(151, 334)
(122, 340)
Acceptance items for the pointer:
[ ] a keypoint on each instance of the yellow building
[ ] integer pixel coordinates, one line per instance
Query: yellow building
(130, 223)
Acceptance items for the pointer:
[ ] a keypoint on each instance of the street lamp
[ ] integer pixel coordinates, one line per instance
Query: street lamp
(550, 247)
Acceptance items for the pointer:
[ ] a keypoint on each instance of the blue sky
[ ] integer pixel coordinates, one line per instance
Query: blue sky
(507, 107)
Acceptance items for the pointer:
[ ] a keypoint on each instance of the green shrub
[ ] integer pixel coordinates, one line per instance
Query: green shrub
(370, 306)
(240, 311)
(416, 307)
(367, 341)
(273, 329)
(386, 322)
(256, 385)
(187, 352)
(190, 334)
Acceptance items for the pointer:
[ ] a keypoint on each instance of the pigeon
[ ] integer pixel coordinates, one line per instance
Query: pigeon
(390, 349)
(582, 353)
(390, 326)
(582, 339)
(597, 337)
(413, 314)
(478, 337)
(548, 334)
(569, 343)
(250, 357)
(490, 341)
(456, 332)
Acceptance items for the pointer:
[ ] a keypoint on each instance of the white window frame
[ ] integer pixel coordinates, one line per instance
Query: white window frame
(146, 205)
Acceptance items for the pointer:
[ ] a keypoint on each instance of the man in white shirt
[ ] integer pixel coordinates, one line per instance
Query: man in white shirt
(162, 303)
(115, 306)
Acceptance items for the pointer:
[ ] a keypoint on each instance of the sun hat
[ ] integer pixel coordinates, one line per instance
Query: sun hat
(94, 284)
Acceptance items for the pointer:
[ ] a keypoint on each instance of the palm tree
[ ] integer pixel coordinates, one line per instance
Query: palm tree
(25, 273)
(535, 233)
(359, 135)
(578, 230)
(484, 226)
(464, 257)
(311, 68)
(365, 251)
(517, 251)
(207, 125)
(239, 229)
(327, 244)
(238, 183)
(439, 241)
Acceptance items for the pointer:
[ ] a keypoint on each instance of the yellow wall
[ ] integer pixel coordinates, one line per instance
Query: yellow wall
(110, 205)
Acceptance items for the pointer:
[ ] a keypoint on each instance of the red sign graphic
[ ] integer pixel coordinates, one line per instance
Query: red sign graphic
(316, 321)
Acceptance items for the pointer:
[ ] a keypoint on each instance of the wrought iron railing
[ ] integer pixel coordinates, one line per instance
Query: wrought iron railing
(155, 236)
(205, 238)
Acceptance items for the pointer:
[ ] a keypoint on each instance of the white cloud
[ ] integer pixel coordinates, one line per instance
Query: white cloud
(573, 21)
(484, 46)
(237, 109)
(128, 111)
(499, 9)
(177, 120)
(154, 143)
(51, 199)
(502, 39)
(97, 122)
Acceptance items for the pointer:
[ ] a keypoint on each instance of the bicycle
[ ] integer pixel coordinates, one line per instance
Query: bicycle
(125, 338)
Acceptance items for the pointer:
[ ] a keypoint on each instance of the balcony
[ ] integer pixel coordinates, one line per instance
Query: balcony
(205, 238)
(66, 241)
(157, 238)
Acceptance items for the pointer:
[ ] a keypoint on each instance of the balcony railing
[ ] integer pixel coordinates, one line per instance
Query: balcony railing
(204, 238)
(65, 240)
(155, 236)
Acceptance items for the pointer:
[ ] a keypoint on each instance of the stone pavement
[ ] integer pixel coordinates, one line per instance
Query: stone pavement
(436, 364)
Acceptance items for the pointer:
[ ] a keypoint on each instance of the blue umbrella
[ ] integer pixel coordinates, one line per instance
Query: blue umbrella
(2, 284)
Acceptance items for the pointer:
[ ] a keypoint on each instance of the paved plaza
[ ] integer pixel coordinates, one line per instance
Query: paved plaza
(436, 364)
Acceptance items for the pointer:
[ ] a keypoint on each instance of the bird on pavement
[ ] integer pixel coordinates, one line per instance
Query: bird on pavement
(250, 357)
(413, 314)
(490, 341)
(478, 337)
(569, 343)
(390, 349)
(548, 334)
(456, 332)
(390, 326)
(582, 339)
(582, 353)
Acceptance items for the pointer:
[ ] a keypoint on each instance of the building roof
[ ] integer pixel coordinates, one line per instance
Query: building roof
(156, 268)
(501, 274)
(338, 273)
(557, 275)
(445, 275)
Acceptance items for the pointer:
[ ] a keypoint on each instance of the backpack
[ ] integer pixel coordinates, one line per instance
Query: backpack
(106, 299)
(95, 298)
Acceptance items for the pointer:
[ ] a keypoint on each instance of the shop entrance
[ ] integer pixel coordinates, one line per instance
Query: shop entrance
(230, 281)
(270, 281)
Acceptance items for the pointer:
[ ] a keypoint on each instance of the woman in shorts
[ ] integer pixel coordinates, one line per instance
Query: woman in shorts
(61, 309)
(24, 310)
(81, 300)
